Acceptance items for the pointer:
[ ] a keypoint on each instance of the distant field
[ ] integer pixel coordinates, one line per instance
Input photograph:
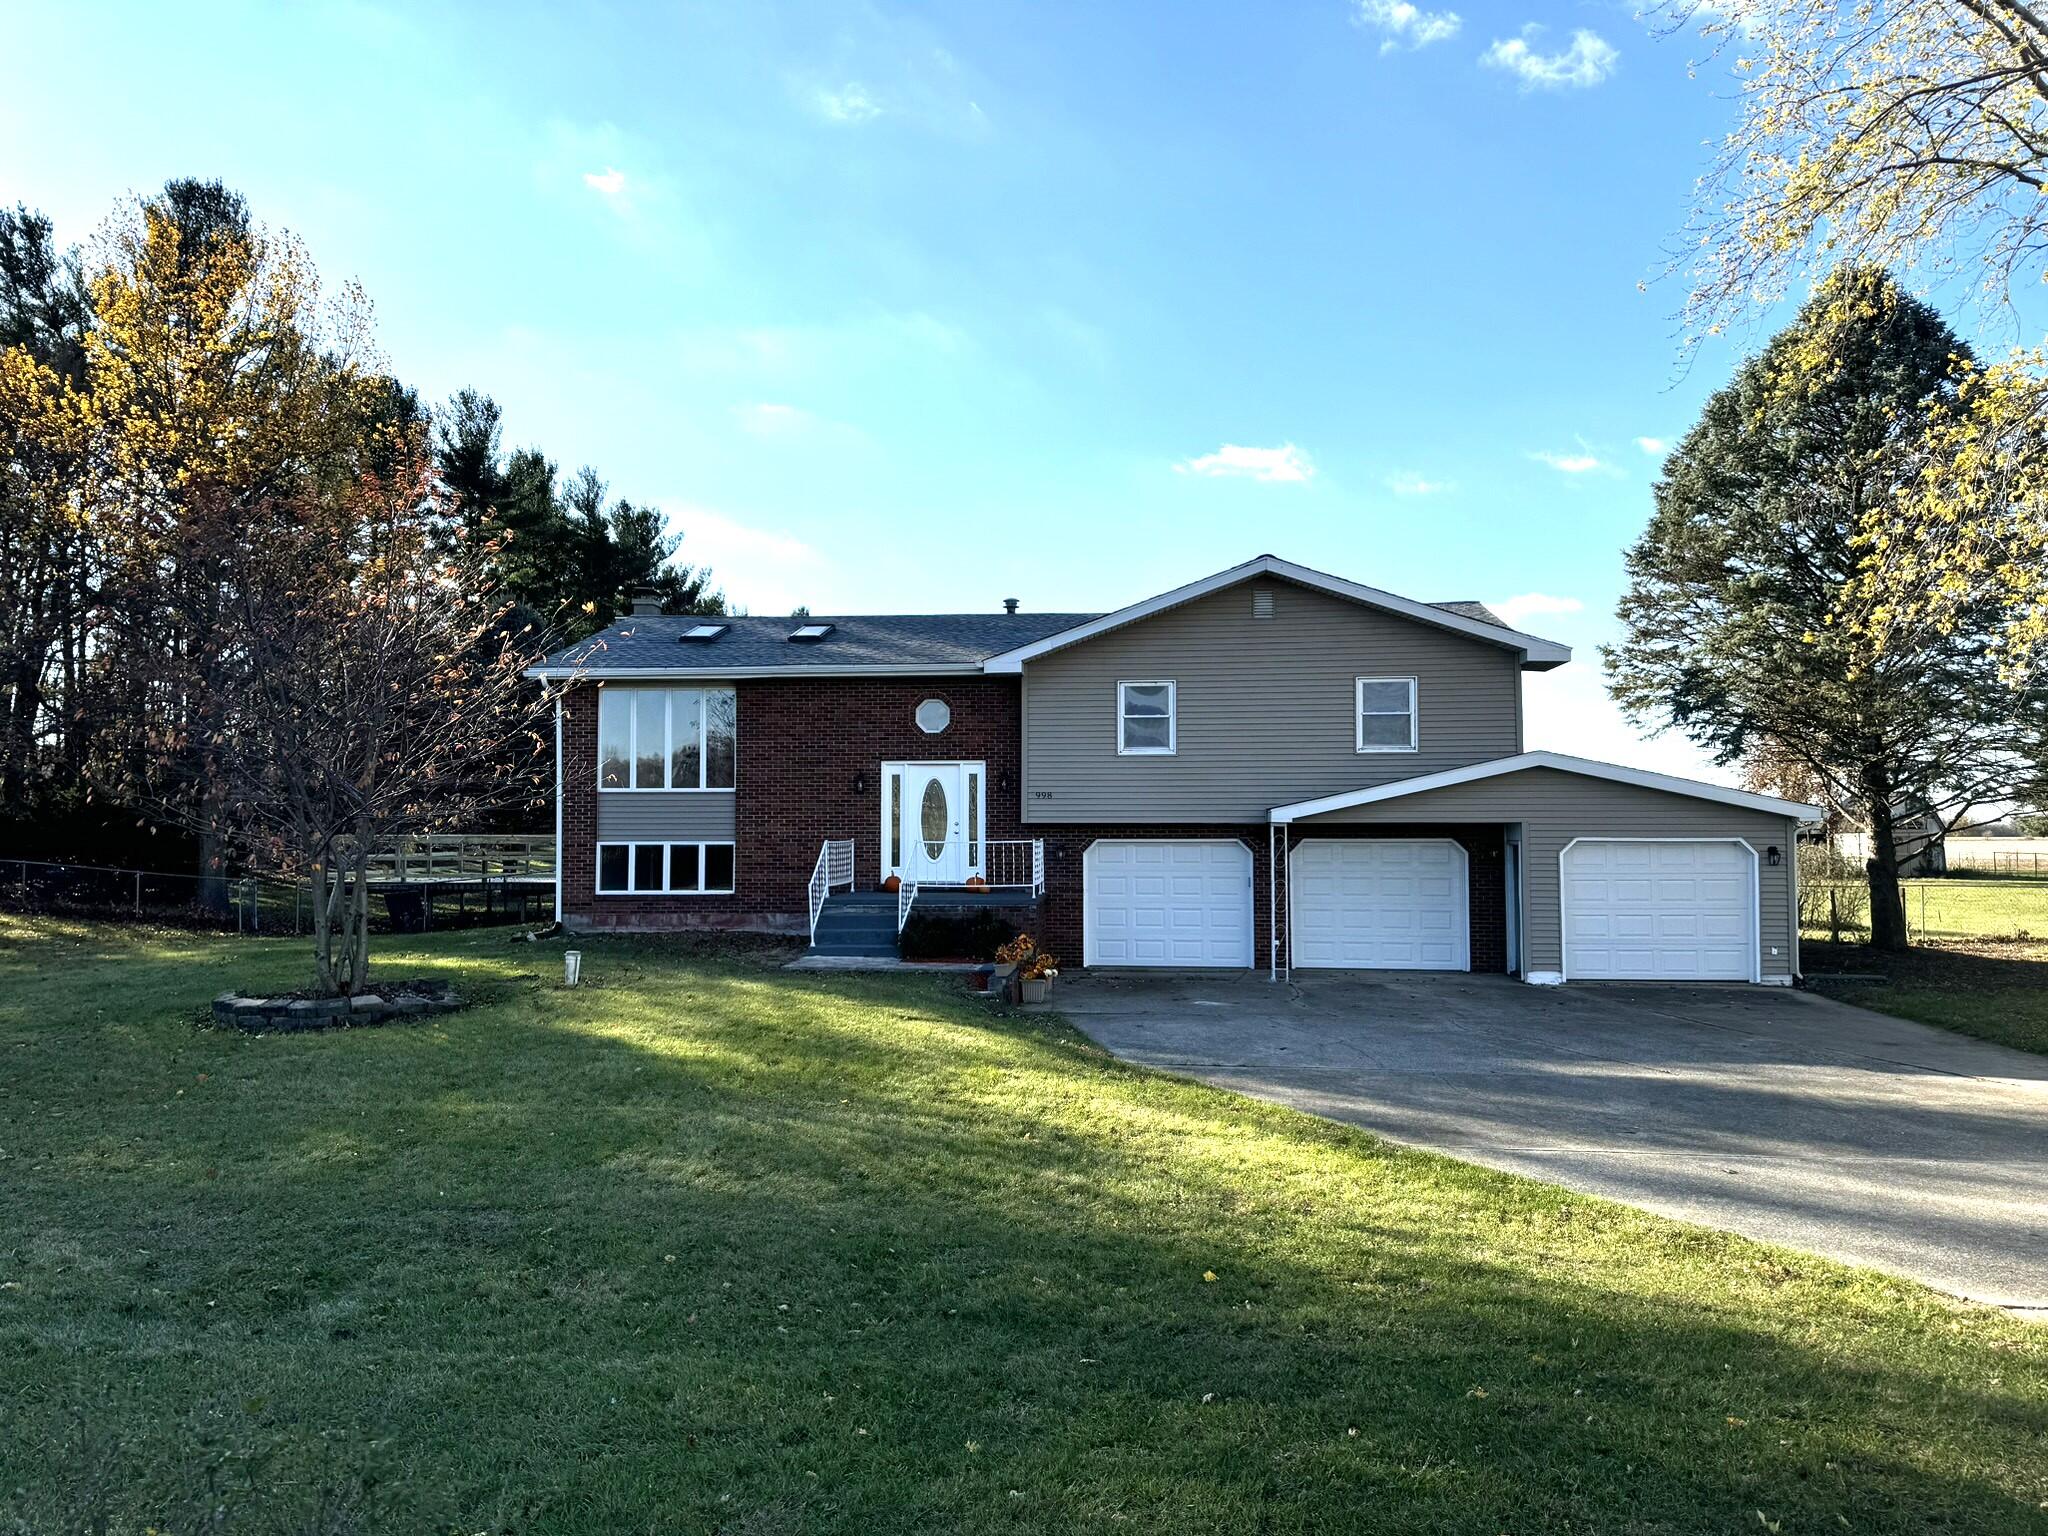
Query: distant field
(2005, 855)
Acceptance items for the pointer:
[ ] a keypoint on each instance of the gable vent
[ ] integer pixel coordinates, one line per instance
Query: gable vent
(1262, 602)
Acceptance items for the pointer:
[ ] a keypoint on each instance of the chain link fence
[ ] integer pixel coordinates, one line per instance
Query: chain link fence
(1834, 903)
(253, 905)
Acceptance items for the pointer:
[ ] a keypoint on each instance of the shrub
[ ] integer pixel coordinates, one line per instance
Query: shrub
(974, 933)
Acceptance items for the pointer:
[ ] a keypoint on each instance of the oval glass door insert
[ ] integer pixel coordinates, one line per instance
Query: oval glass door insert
(932, 819)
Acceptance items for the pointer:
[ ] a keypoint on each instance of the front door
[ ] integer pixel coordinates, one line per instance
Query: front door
(933, 817)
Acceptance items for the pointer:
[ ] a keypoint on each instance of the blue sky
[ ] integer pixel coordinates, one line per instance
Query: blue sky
(919, 307)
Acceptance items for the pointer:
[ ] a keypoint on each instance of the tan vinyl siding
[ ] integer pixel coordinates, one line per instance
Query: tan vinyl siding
(1266, 711)
(1554, 807)
(656, 814)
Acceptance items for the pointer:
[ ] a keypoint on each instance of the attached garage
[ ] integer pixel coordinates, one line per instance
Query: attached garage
(1659, 909)
(1181, 902)
(1608, 873)
(1398, 904)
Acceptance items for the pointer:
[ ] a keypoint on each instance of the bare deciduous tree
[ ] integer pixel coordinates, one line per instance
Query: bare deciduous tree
(366, 687)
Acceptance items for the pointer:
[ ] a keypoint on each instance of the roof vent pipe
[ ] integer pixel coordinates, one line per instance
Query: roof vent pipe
(1009, 605)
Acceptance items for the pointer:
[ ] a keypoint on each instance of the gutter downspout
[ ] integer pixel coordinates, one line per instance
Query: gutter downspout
(558, 810)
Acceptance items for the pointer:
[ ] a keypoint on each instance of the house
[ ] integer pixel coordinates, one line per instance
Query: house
(1270, 767)
(1919, 840)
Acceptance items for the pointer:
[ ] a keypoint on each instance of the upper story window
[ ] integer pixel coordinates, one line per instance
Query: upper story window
(1145, 719)
(1386, 714)
(666, 738)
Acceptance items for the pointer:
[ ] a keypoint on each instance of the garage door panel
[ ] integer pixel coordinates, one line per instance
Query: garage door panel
(1167, 902)
(1690, 916)
(1380, 904)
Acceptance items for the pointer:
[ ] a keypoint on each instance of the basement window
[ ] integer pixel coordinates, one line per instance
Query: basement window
(665, 869)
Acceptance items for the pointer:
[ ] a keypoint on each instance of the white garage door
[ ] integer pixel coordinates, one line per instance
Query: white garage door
(1381, 904)
(1659, 911)
(1168, 903)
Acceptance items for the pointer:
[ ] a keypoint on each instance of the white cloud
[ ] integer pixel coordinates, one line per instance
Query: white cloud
(1569, 711)
(851, 103)
(609, 183)
(1655, 447)
(1416, 485)
(1589, 60)
(1404, 23)
(759, 569)
(769, 418)
(1580, 463)
(1232, 460)
(1514, 610)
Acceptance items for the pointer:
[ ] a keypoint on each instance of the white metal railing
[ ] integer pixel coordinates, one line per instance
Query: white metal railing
(906, 893)
(1015, 861)
(833, 869)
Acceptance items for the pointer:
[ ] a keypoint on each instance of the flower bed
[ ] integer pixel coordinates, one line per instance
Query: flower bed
(388, 1001)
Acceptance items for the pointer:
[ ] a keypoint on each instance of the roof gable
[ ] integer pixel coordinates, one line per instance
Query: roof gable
(1642, 778)
(1537, 654)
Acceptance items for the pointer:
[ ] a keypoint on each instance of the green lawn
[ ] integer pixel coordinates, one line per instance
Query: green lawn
(1993, 989)
(709, 1246)
(1966, 908)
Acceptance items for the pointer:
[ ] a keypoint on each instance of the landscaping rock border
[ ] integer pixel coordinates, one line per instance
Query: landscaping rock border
(399, 1000)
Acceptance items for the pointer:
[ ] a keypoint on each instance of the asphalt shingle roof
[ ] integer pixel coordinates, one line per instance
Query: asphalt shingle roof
(754, 644)
(856, 640)
(1479, 611)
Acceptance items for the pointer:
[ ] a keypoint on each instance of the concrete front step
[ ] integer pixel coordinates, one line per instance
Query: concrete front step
(857, 924)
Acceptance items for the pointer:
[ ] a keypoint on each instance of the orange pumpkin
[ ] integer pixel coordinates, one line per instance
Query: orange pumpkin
(893, 883)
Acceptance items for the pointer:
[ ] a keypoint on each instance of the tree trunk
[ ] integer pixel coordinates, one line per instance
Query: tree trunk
(1881, 867)
(212, 892)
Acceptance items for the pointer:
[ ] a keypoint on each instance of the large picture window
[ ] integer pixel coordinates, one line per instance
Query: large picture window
(664, 869)
(666, 738)
(1386, 714)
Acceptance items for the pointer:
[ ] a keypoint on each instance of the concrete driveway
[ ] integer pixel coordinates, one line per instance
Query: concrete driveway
(1773, 1113)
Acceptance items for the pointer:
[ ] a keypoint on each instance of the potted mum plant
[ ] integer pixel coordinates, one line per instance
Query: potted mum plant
(1037, 976)
(1011, 955)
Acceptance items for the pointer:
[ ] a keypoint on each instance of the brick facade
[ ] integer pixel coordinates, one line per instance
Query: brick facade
(810, 752)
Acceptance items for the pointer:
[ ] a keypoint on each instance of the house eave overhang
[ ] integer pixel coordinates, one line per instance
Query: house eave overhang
(570, 674)
(1536, 654)
(1641, 778)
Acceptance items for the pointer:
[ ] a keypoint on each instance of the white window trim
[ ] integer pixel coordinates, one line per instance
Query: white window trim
(668, 709)
(1172, 747)
(1414, 713)
(598, 886)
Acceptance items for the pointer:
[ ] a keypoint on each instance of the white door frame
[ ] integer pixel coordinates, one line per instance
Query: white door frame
(1251, 926)
(1464, 909)
(1756, 899)
(973, 848)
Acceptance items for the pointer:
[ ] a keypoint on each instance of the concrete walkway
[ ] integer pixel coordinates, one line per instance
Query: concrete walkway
(1768, 1112)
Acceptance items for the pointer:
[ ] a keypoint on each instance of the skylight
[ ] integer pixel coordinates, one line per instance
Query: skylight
(704, 631)
(810, 632)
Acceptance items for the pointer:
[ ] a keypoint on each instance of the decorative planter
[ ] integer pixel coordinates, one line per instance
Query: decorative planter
(393, 1000)
(1037, 988)
(1003, 971)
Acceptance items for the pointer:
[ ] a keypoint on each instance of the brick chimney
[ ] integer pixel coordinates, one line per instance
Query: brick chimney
(645, 600)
